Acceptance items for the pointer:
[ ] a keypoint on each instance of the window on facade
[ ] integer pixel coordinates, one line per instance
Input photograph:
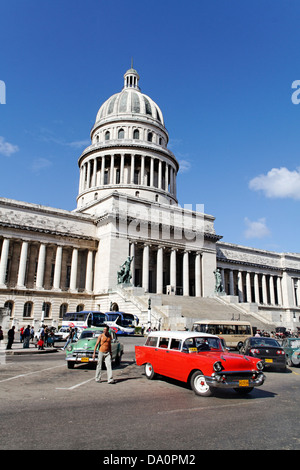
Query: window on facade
(10, 305)
(80, 308)
(121, 134)
(27, 309)
(150, 137)
(136, 134)
(107, 135)
(63, 309)
(47, 310)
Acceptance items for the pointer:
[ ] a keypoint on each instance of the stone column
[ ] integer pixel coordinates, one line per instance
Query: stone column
(256, 288)
(74, 264)
(88, 174)
(41, 267)
(159, 270)
(173, 269)
(248, 286)
(122, 168)
(159, 174)
(167, 177)
(22, 265)
(145, 281)
(132, 170)
(89, 272)
(186, 278)
(279, 291)
(198, 289)
(57, 269)
(272, 291)
(102, 169)
(151, 171)
(112, 169)
(94, 172)
(4, 261)
(142, 170)
(264, 289)
(240, 287)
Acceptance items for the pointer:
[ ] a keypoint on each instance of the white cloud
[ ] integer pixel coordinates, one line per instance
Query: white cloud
(256, 229)
(40, 164)
(184, 166)
(278, 183)
(6, 148)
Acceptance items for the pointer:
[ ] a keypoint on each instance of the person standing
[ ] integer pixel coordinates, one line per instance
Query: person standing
(11, 337)
(1, 335)
(104, 343)
(26, 337)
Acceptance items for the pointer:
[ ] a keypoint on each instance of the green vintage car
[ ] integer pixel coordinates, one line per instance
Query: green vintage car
(291, 348)
(82, 351)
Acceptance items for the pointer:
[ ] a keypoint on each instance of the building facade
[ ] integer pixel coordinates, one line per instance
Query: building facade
(53, 261)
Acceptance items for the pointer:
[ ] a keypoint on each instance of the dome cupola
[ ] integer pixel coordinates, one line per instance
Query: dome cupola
(128, 152)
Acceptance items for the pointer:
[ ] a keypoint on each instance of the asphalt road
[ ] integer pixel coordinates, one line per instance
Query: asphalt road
(43, 405)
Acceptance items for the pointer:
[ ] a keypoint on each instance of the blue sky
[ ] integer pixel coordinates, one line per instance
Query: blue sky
(221, 72)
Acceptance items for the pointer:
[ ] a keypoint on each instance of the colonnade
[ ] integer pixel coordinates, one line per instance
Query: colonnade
(28, 264)
(114, 169)
(253, 286)
(176, 269)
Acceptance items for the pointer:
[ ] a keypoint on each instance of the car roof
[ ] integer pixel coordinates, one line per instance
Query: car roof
(180, 334)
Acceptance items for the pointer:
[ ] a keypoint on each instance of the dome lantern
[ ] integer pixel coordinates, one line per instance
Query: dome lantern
(131, 78)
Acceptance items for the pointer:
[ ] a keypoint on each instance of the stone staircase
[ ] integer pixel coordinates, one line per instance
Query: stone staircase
(179, 312)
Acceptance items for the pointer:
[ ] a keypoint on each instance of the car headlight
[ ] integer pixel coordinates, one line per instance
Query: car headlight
(70, 347)
(260, 365)
(218, 366)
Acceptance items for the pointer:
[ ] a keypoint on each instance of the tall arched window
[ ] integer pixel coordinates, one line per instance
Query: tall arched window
(107, 135)
(121, 134)
(150, 137)
(10, 305)
(63, 309)
(27, 309)
(136, 134)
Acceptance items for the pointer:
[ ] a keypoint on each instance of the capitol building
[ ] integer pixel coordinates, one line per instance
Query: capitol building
(53, 260)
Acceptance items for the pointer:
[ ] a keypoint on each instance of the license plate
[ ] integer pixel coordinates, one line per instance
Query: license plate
(268, 360)
(244, 383)
(84, 359)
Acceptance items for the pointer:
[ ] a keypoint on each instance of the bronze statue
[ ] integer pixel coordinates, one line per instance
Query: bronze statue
(124, 274)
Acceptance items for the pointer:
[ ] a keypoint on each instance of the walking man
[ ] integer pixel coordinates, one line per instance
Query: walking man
(104, 341)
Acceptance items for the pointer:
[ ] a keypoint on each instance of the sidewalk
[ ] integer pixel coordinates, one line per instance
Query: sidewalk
(17, 349)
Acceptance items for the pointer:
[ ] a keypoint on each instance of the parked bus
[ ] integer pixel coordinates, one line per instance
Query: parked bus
(122, 323)
(234, 332)
(84, 319)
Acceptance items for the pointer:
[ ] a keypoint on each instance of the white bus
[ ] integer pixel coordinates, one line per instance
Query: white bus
(234, 332)
(84, 319)
(122, 323)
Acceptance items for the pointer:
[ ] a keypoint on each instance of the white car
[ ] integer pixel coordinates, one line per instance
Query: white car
(62, 333)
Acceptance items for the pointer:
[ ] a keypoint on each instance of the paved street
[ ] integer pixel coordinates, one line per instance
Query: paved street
(46, 406)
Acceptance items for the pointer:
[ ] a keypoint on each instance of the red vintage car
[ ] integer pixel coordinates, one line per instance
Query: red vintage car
(198, 359)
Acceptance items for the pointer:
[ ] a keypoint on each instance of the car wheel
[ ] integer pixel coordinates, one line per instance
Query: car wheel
(150, 374)
(70, 364)
(199, 385)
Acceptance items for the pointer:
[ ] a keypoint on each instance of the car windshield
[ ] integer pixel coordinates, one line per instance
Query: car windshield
(90, 334)
(264, 342)
(202, 343)
(295, 343)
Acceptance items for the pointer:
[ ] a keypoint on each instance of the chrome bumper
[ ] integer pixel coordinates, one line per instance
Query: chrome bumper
(233, 380)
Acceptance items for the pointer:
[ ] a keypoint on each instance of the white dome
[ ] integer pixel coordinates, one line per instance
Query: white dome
(130, 101)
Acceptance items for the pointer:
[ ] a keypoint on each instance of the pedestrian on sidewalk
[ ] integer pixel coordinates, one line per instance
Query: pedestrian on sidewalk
(11, 337)
(1, 335)
(104, 343)
(26, 337)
